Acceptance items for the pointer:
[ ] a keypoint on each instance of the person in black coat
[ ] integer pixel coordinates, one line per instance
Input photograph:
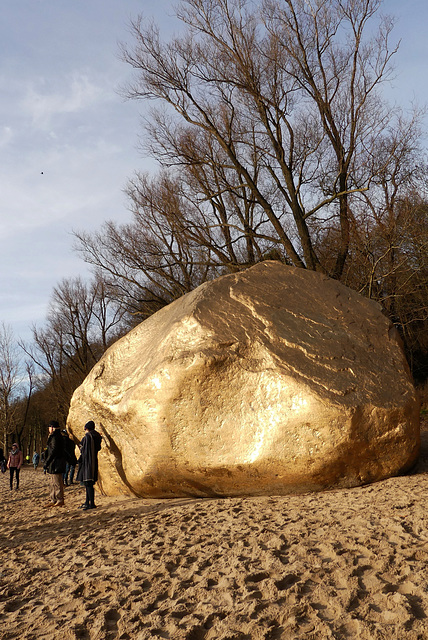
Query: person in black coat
(54, 464)
(3, 462)
(88, 463)
(71, 460)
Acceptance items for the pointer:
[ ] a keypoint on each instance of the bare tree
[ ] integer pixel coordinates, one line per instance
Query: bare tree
(218, 209)
(339, 67)
(391, 266)
(151, 261)
(81, 323)
(389, 234)
(9, 381)
(21, 425)
(287, 92)
(392, 211)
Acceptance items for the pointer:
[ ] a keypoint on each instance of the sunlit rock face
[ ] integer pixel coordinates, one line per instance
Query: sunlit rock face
(269, 381)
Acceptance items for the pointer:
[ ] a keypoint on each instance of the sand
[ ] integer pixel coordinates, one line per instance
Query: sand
(340, 564)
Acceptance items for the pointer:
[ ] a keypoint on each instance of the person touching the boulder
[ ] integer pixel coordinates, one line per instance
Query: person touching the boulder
(55, 462)
(88, 463)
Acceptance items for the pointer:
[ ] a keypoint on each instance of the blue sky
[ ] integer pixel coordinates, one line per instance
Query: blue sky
(68, 140)
(61, 114)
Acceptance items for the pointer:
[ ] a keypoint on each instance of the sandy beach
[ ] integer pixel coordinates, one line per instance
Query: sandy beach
(340, 564)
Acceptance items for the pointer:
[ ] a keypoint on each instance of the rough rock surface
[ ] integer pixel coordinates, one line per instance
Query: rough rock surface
(269, 381)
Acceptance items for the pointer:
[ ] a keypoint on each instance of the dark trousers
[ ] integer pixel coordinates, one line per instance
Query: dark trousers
(14, 470)
(69, 473)
(90, 493)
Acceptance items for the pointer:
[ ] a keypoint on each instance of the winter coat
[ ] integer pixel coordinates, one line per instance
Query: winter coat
(70, 448)
(16, 459)
(55, 453)
(88, 461)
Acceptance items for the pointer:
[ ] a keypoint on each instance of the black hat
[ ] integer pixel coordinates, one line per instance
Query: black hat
(90, 426)
(54, 424)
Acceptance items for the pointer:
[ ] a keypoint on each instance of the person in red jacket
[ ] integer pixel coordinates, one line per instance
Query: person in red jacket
(14, 464)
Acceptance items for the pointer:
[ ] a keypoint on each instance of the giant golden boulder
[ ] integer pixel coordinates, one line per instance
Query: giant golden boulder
(269, 381)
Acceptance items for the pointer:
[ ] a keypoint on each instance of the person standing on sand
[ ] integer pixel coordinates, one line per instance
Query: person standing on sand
(14, 464)
(3, 462)
(42, 459)
(71, 459)
(36, 459)
(88, 463)
(55, 464)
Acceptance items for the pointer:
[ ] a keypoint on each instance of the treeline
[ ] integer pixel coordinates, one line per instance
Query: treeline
(274, 141)
(81, 324)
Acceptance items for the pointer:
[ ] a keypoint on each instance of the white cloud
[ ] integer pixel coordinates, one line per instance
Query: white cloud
(6, 135)
(78, 94)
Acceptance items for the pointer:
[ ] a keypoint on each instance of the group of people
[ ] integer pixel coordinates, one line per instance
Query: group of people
(58, 455)
(60, 462)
